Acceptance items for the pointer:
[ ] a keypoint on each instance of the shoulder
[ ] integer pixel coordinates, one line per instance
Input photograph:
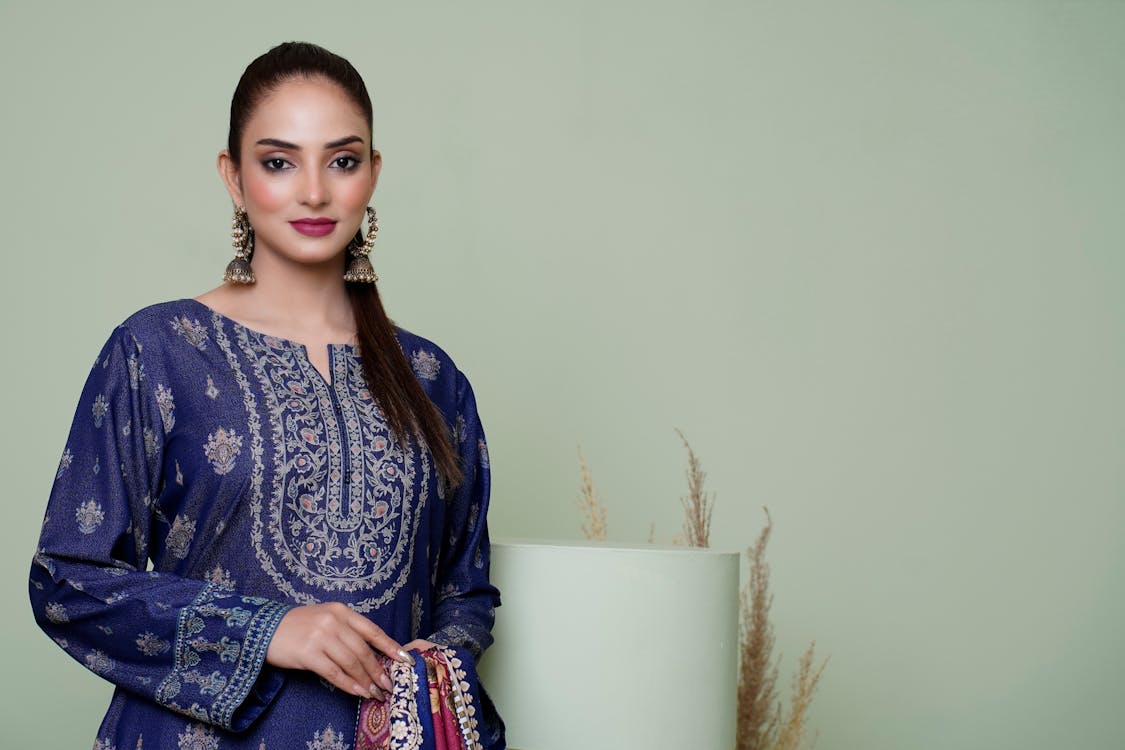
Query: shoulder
(435, 369)
(146, 331)
(428, 360)
(157, 324)
(157, 319)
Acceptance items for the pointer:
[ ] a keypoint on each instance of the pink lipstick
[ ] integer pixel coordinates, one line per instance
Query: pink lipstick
(314, 227)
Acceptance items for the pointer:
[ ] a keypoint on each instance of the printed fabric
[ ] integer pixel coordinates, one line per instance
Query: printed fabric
(212, 480)
(432, 706)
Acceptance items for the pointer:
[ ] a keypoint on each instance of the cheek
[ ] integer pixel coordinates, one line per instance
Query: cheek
(267, 195)
(354, 192)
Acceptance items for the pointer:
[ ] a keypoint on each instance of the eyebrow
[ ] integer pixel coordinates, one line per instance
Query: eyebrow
(294, 147)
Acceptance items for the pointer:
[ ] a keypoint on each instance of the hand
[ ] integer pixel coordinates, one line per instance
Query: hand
(335, 642)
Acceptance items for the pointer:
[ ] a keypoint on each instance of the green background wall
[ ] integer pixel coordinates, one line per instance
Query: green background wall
(870, 257)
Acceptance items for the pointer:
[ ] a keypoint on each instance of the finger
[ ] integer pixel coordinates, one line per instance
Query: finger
(374, 635)
(328, 669)
(376, 677)
(351, 669)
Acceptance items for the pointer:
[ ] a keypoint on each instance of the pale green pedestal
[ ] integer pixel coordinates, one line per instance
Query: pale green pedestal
(618, 647)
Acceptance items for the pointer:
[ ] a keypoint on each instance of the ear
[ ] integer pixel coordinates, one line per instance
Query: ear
(376, 165)
(231, 177)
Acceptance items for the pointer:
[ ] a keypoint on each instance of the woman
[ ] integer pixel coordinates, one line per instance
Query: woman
(309, 482)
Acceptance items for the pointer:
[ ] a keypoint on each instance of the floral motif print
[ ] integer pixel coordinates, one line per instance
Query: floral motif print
(151, 444)
(167, 406)
(226, 649)
(152, 645)
(179, 538)
(211, 391)
(56, 612)
(220, 577)
(198, 737)
(100, 408)
(192, 331)
(64, 462)
(136, 371)
(209, 684)
(327, 739)
(222, 448)
(89, 516)
(425, 364)
(98, 662)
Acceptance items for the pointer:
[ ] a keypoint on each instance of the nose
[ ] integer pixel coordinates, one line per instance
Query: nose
(314, 191)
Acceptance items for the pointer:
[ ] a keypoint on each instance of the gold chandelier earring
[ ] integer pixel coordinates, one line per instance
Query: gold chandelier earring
(242, 238)
(359, 267)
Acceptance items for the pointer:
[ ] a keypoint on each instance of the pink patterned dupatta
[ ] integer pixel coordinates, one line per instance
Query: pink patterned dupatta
(431, 707)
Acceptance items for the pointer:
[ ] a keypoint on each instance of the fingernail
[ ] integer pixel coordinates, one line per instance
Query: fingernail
(365, 693)
(385, 682)
(403, 656)
(374, 689)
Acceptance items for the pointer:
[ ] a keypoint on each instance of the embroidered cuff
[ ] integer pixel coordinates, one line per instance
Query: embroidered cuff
(221, 643)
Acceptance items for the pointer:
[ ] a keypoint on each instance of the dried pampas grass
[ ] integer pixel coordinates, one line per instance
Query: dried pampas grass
(697, 504)
(593, 512)
(762, 723)
(758, 719)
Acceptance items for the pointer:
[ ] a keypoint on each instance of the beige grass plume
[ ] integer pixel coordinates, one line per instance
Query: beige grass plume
(791, 736)
(593, 512)
(762, 725)
(759, 714)
(698, 504)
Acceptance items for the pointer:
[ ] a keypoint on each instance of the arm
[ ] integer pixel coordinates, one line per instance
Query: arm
(192, 646)
(465, 600)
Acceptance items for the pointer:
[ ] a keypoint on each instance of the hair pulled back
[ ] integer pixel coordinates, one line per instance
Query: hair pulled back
(388, 374)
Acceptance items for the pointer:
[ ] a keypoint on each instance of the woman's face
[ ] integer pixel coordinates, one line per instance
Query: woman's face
(307, 172)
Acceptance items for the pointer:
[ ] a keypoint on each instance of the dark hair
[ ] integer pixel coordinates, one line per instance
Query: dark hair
(389, 377)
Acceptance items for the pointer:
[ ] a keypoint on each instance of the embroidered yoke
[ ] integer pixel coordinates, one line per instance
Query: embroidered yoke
(213, 479)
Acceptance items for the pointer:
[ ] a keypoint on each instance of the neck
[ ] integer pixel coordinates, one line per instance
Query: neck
(299, 297)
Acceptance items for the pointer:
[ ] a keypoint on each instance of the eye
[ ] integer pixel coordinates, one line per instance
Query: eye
(275, 164)
(347, 163)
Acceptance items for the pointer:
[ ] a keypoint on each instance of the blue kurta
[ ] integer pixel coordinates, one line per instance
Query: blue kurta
(253, 485)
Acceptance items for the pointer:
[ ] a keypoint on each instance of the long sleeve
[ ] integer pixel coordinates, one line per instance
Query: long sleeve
(193, 646)
(465, 602)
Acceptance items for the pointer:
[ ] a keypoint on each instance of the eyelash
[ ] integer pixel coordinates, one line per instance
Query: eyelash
(266, 163)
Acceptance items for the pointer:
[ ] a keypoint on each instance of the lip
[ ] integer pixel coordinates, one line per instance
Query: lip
(314, 226)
